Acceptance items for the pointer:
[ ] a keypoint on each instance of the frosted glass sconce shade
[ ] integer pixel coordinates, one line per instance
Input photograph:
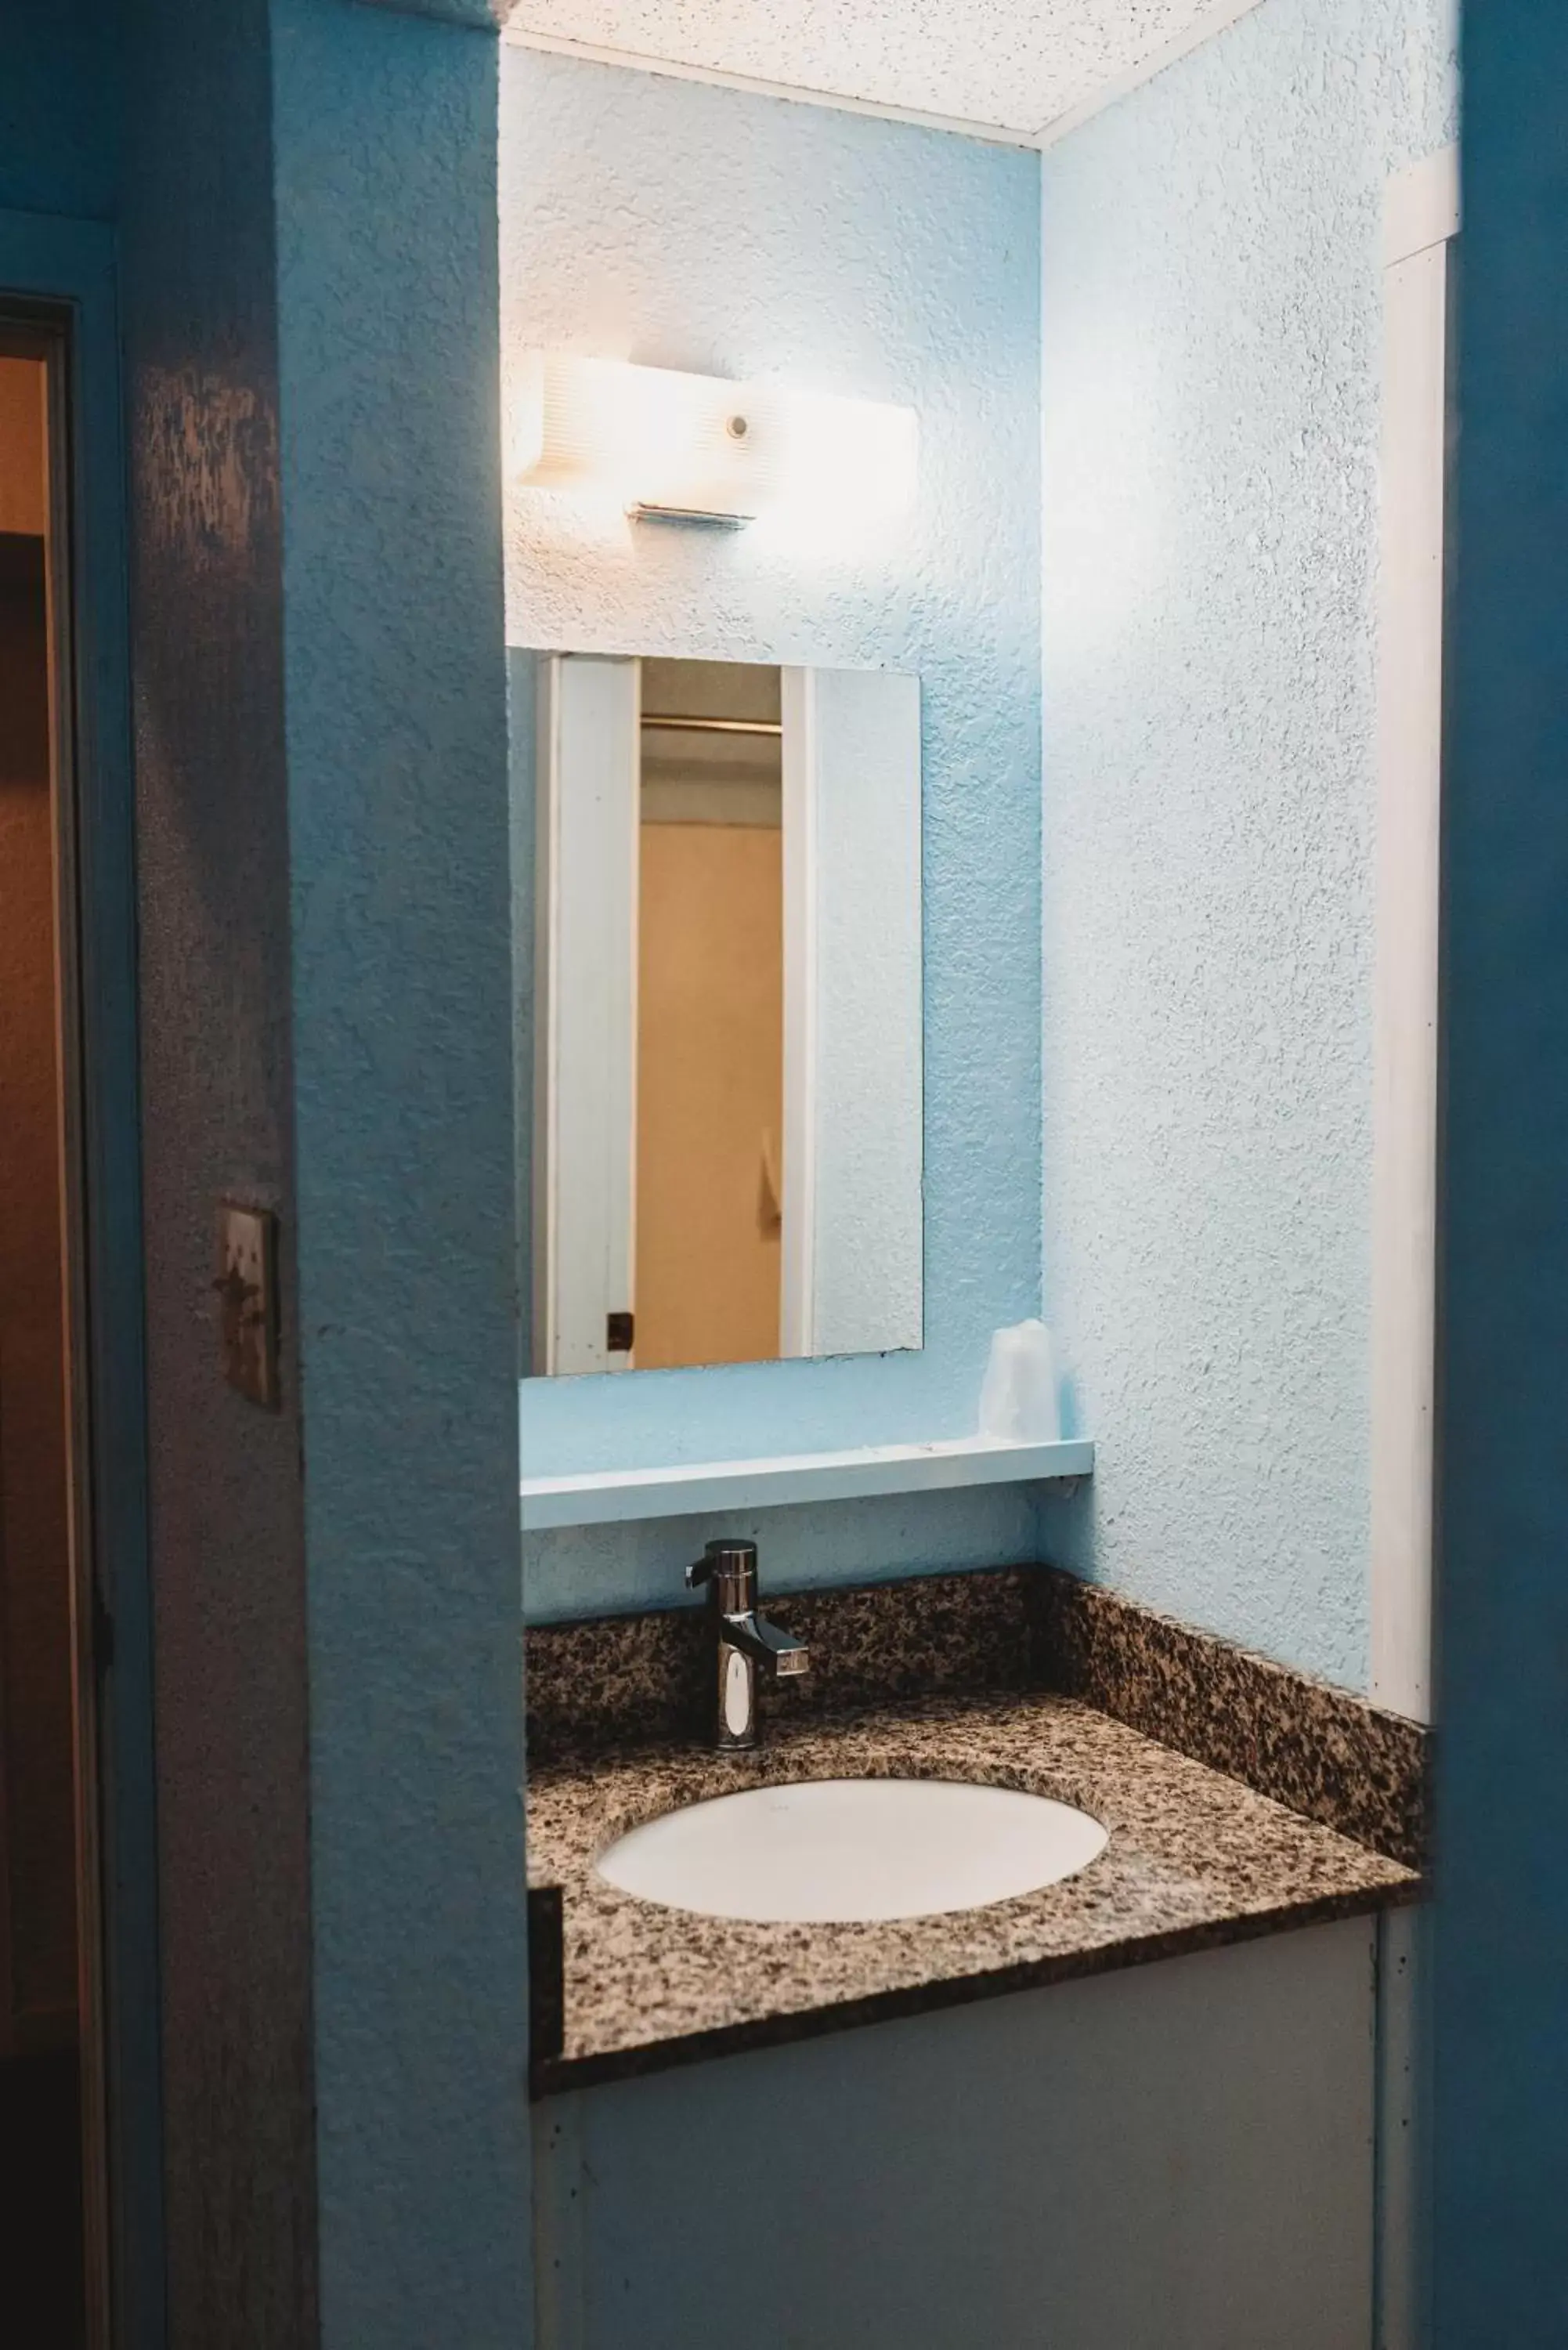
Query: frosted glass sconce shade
(662, 442)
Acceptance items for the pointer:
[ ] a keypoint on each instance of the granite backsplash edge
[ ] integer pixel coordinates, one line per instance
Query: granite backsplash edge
(621, 1681)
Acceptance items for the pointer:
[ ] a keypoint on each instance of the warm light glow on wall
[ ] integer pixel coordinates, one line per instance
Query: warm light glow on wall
(661, 443)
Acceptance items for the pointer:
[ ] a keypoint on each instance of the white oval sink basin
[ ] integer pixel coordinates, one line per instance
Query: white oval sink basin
(832, 1851)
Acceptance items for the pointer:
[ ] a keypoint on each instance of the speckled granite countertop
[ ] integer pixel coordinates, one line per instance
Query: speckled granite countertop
(1194, 1859)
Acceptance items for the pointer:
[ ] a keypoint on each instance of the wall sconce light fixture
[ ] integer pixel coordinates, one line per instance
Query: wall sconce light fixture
(697, 448)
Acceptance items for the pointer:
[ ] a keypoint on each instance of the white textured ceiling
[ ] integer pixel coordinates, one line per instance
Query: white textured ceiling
(1015, 66)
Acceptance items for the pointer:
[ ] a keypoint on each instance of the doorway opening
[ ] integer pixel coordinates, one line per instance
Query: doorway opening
(709, 1186)
(53, 2201)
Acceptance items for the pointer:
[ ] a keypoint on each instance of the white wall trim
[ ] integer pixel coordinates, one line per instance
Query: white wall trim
(1422, 213)
(1218, 19)
(555, 44)
(1421, 206)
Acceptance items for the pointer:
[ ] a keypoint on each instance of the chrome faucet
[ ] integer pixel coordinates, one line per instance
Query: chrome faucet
(744, 1643)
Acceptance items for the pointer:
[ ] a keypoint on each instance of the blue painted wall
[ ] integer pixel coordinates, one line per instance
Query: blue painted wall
(1212, 358)
(400, 927)
(686, 226)
(307, 207)
(1500, 1921)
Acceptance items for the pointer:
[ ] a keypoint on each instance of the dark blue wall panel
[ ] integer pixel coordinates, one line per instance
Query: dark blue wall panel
(1500, 2136)
(62, 65)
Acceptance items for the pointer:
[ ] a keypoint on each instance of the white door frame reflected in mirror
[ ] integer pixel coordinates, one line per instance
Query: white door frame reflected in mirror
(846, 1167)
(585, 1263)
(797, 1269)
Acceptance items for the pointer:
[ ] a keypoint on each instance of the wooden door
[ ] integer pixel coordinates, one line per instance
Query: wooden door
(710, 1093)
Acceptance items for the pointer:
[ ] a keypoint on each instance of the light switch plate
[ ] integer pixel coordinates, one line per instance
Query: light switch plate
(246, 1287)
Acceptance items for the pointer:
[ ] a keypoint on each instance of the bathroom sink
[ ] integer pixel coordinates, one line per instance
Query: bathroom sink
(832, 1851)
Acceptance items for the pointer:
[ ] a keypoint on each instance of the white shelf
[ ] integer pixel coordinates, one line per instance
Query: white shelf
(701, 1488)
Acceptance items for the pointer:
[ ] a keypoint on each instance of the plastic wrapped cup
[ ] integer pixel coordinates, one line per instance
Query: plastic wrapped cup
(1018, 1398)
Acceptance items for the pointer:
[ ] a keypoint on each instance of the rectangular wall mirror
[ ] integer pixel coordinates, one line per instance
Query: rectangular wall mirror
(720, 1021)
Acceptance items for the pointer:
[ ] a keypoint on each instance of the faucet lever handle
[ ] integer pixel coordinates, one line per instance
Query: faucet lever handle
(732, 1568)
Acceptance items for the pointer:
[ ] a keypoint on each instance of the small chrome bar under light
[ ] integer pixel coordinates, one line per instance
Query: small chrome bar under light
(669, 446)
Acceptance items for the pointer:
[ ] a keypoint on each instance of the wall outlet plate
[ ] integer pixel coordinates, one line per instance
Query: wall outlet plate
(246, 1289)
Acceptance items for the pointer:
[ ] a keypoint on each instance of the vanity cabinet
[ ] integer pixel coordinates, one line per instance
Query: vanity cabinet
(1174, 2157)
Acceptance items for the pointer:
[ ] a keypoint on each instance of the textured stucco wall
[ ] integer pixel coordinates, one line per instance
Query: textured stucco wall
(228, 1535)
(695, 227)
(385, 130)
(1211, 336)
(320, 710)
